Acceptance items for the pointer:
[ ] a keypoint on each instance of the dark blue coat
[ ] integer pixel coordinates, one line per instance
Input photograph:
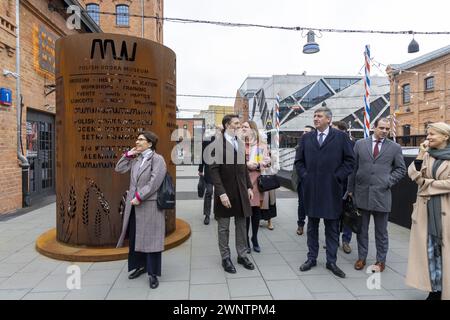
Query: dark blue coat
(322, 171)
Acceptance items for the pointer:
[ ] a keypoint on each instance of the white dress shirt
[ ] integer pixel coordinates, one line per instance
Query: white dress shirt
(232, 140)
(374, 142)
(325, 134)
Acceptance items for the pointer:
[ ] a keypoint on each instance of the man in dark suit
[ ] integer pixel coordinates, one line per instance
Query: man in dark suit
(346, 231)
(301, 208)
(203, 170)
(232, 192)
(323, 161)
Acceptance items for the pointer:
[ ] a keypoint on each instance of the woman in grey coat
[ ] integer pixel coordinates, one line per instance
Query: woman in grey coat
(143, 221)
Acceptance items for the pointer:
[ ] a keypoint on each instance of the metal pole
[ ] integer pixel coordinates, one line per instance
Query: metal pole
(142, 9)
(23, 160)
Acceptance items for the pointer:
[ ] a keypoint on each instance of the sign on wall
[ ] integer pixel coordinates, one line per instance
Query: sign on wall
(5, 96)
(44, 50)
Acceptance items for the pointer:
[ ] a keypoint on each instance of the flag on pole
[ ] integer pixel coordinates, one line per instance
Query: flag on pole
(277, 132)
(367, 92)
(394, 126)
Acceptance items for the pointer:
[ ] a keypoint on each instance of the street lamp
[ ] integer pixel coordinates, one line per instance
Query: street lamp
(413, 45)
(311, 45)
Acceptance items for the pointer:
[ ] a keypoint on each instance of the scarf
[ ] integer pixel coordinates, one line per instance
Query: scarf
(434, 205)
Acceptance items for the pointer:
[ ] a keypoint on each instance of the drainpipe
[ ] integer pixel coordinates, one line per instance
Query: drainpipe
(24, 164)
(142, 9)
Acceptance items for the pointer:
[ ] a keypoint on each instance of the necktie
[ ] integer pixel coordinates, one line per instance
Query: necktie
(376, 150)
(235, 143)
(321, 138)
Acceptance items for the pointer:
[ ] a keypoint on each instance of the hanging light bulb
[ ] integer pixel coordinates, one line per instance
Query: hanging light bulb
(311, 46)
(413, 45)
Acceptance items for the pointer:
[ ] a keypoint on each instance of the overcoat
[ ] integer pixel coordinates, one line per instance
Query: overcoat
(372, 179)
(229, 175)
(417, 274)
(258, 153)
(150, 221)
(322, 171)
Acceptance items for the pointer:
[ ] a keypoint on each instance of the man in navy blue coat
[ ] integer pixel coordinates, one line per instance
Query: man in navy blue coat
(324, 159)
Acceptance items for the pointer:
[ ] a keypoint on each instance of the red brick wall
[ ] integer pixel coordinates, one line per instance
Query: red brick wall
(432, 106)
(33, 14)
(153, 30)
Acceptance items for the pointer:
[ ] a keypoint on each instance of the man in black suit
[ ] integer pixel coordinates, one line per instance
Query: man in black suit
(323, 161)
(232, 192)
(203, 170)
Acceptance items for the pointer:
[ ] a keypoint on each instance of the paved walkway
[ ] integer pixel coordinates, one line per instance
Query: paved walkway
(193, 270)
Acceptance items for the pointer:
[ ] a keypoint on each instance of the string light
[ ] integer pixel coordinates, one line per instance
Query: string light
(250, 25)
(330, 98)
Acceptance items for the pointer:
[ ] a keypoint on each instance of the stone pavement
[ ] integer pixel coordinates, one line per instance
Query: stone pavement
(193, 270)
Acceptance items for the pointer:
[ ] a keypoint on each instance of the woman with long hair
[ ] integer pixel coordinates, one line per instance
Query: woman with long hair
(429, 256)
(257, 160)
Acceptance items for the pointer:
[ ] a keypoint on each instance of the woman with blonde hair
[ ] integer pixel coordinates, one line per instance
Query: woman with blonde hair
(257, 160)
(429, 256)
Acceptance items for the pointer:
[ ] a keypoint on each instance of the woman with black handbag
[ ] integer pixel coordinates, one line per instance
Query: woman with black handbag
(257, 159)
(143, 220)
(270, 212)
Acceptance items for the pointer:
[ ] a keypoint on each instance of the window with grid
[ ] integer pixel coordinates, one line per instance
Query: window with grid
(406, 92)
(122, 16)
(429, 83)
(93, 10)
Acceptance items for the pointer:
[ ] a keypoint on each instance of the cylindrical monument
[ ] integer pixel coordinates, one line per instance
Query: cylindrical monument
(109, 89)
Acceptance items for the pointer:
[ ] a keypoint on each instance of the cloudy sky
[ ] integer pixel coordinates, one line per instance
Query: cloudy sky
(215, 60)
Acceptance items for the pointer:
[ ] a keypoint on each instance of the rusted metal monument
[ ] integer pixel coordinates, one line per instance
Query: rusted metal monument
(109, 88)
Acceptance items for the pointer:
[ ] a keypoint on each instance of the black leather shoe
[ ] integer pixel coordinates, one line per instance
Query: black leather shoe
(228, 266)
(206, 221)
(256, 248)
(335, 269)
(246, 263)
(308, 265)
(136, 273)
(154, 283)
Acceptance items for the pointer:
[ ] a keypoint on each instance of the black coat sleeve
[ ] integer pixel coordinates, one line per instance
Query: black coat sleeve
(299, 162)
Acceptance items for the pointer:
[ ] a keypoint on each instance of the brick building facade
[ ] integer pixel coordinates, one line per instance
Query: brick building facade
(42, 22)
(189, 140)
(111, 20)
(420, 94)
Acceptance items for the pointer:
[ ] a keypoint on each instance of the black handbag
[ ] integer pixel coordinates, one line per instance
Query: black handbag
(166, 194)
(266, 182)
(201, 186)
(352, 218)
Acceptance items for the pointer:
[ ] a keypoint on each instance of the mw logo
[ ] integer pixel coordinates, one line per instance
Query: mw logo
(108, 47)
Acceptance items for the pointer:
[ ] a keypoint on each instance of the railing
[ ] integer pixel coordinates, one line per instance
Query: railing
(287, 157)
(410, 141)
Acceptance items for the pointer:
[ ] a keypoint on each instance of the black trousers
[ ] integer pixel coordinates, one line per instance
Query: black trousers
(254, 220)
(151, 261)
(301, 207)
(331, 238)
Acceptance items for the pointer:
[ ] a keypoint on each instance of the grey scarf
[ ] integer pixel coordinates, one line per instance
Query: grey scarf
(434, 205)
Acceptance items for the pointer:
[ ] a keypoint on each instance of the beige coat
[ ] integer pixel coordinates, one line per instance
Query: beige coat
(259, 154)
(417, 274)
(150, 221)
